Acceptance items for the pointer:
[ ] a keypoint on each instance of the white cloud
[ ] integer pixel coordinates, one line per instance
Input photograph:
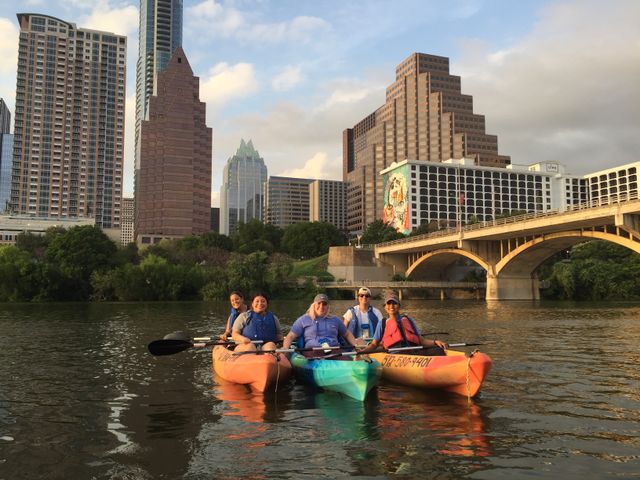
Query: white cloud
(9, 33)
(225, 82)
(288, 78)
(121, 21)
(318, 167)
(214, 19)
(569, 90)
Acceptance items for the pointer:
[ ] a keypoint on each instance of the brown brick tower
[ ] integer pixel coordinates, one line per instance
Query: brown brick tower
(173, 181)
(425, 117)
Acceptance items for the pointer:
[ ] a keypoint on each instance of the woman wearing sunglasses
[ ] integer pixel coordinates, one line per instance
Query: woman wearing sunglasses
(362, 319)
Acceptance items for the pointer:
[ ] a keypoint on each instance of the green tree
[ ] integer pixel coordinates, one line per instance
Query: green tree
(255, 235)
(311, 239)
(73, 256)
(427, 227)
(19, 275)
(378, 232)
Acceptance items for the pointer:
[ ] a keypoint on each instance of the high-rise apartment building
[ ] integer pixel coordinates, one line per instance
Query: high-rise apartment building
(6, 156)
(173, 188)
(425, 117)
(286, 201)
(159, 35)
(241, 195)
(69, 121)
(327, 202)
(126, 223)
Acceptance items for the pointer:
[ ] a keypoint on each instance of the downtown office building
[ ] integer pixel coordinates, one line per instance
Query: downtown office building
(160, 33)
(173, 187)
(425, 117)
(242, 191)
(69, 122)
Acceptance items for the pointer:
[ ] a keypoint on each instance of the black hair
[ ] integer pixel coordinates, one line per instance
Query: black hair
(259, 294)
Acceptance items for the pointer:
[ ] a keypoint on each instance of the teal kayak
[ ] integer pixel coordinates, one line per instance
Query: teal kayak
(353, 378)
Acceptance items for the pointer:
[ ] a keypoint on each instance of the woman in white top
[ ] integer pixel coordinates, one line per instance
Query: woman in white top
(362, 319)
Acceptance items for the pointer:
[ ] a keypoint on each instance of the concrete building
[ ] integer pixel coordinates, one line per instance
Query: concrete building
(6, 156)
(425, 117)
(160, 34)
(327, 202)
(458, 192)
(242, 191)
(173, 188)
(126, 224)
(286, 201)
(620, 182)
(69, 121)
(13, 225)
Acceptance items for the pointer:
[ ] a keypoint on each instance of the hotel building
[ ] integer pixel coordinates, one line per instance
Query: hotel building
(69, 121)
(425, 117)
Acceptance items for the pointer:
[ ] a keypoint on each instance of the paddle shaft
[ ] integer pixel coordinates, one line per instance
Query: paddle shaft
(169, 346)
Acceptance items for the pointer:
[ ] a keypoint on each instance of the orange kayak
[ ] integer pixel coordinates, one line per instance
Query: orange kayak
(456, 372)
(261, 371)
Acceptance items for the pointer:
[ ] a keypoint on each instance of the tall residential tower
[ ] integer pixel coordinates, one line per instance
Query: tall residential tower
(6, 156)
(69, 121)
(242, 192)
(425, 117)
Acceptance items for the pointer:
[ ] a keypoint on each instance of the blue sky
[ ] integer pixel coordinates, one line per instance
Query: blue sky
(556, 80)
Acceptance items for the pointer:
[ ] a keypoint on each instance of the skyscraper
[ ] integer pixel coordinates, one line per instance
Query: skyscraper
(6, 156)
(425, 117)
(69, 121)
(173, 188)
(241, 195)
(160, 34)
(286, 200)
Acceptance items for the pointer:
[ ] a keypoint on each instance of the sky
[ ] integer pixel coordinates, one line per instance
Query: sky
(556, 80)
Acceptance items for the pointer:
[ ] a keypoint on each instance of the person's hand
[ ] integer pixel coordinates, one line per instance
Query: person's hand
(224, 336)
(441, 344)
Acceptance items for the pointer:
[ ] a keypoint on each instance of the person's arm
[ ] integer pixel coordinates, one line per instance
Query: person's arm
(289, 339)
(346, 318)
(238, 326)
(427, 342)
(371, 347)
(227, 330)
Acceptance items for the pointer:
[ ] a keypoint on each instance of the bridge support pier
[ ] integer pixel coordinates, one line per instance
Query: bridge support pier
(512, 287)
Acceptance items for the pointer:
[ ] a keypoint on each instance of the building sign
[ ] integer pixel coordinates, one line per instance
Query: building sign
(396, 204)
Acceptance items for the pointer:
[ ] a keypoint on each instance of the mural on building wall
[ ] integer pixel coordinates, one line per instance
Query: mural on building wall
(396, 204)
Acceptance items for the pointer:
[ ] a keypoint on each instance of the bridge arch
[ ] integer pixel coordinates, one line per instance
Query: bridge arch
(530, 255)
(440, 259)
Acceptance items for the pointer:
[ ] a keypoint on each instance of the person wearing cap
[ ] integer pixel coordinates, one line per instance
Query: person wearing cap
(399, 330)
(318, 328)
(362, 319)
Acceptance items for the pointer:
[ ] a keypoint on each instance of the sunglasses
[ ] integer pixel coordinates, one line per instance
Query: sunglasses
(364, 295)
(323, 303)
(391, 302)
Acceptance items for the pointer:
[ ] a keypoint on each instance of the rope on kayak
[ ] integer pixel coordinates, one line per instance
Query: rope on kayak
(468, 376)
(278, 374)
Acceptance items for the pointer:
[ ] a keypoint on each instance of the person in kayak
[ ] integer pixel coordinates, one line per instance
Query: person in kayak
(256, 324)
(317, 328)
(398, 330)
(362, 319)
(237, 307)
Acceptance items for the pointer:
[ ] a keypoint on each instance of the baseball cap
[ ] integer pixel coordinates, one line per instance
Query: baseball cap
(364, 291)
(321, 297)
(391, 297)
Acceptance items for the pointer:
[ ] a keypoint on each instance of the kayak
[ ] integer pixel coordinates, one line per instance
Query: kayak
(456, 372)
(261, 371)
(353, 378)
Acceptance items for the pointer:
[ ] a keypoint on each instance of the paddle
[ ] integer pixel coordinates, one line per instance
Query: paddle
(413, 347)
(286, 350)
(169, 346)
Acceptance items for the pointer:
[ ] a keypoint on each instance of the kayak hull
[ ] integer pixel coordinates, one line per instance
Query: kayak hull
(260, 371)
(456, 372)
(352, 378)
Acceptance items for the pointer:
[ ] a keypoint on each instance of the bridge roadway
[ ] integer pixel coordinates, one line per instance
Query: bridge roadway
(511, 249)
(399, 286)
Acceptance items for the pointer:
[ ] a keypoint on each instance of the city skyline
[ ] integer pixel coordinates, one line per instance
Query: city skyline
(555, 81)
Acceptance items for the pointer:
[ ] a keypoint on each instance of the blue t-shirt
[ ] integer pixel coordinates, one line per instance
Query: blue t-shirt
(318, 331)
(377, 336)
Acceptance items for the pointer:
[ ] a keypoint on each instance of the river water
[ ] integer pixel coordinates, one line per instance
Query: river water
(81, 397)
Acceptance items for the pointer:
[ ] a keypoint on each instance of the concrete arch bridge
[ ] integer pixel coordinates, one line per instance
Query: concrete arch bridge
(511, 249)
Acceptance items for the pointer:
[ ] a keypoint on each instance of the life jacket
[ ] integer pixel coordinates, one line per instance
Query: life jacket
(232, 317)
(371, 326)
(260, 328)
(403, 333)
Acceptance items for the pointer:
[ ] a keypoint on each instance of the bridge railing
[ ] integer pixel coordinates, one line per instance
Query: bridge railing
(616, 198)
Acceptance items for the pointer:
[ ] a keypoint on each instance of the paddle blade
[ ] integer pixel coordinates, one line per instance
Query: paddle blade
(168, 346)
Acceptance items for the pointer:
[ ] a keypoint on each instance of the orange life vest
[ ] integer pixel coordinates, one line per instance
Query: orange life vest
(392, 334)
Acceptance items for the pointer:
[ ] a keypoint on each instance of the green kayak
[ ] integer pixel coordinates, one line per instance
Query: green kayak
(353, 378)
